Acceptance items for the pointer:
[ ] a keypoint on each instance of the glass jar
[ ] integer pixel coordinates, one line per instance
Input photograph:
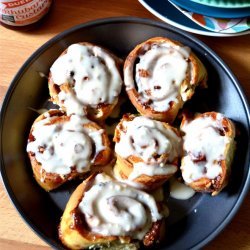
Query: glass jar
(23, 14)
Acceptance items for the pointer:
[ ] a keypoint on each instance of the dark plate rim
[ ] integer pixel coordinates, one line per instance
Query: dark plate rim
(115, 20)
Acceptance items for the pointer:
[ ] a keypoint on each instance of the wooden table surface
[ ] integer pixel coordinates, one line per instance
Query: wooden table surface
(16, 47)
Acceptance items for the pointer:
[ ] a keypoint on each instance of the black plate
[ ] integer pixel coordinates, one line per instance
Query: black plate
(192, 223)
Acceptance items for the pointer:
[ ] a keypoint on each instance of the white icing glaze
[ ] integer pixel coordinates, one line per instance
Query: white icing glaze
(165, 68)
(66, 144)
(203, 141)
(179, 190)
(115, 209)
(92, 75)
(128, 182)
(71, 103)
(141, 168)
(101, 178)
(146, 138)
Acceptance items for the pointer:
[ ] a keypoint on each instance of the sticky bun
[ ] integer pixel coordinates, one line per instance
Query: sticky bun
(62, 147)
(209, 148)
(160, 75)
(147, 150)
(86, 80)
(105, 213)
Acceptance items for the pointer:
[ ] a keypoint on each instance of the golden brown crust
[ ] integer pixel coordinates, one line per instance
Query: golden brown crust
(72, 232)
(216, 185)
(75, 234)
(50, 181)
(103, 110)
(124, 167)
(198, 77)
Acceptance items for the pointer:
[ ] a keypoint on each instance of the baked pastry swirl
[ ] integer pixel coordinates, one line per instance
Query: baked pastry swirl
(62, 147)
(104, 212)
(126, 211)
(160, 75)
(86, 79)
(147, 150)
(209, 149)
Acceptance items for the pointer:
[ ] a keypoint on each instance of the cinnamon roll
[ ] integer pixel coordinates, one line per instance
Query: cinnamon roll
(86, 79)
(62, 147)
(160, 75)
(209, 149)
(103, 212)
(147, 150)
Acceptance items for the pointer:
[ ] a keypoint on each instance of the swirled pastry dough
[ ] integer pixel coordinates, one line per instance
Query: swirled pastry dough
(147, 150)
(102, 210)
(61, 147)
(209, 148)
(86, 80)
(160, 75)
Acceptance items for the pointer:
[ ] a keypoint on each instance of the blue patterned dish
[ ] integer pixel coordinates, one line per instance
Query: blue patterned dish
(225, 3)
(165, 11)
(225, 25)
(212, 11)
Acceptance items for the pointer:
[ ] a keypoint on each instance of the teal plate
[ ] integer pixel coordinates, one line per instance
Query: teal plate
(212, 11)
(225, 3)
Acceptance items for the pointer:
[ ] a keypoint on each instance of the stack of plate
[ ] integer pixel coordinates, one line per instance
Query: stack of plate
(206, 17)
